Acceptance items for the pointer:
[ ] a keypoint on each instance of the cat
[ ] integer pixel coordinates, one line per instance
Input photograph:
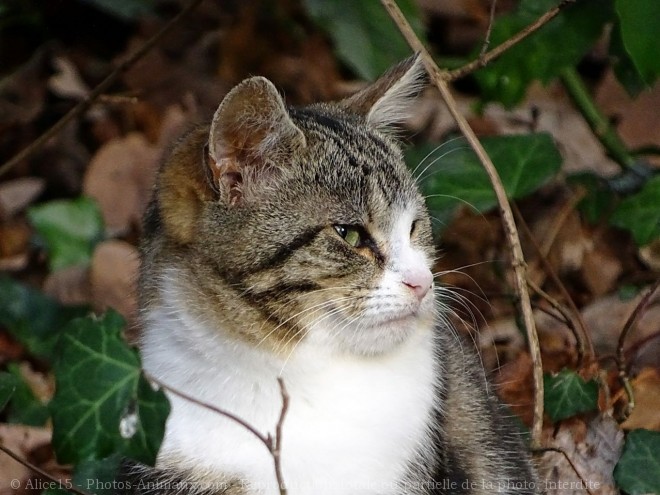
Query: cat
(294, 243)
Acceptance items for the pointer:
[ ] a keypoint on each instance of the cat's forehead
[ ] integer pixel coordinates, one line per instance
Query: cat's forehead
(356, 161)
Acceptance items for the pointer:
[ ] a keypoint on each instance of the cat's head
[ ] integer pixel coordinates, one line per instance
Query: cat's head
(290, 225)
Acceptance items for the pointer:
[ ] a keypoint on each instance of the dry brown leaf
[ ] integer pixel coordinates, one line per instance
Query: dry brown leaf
(69, 285)
(594, 456)
(14, 238)
(42, 385)
(646, 387)
(116, 179)
(66, 82)
(638, 120)
(113, 277)
(606, 317)
(21, 440)
(516, 388)
(17, 194)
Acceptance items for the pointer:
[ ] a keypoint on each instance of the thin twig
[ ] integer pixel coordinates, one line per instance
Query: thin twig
(514, 40)
(101, 88)
(518, 260)
(491, 21)
(568, 321)
(278, 437)
(620, 354)
(63, 484)
(584, 342)
(273, 446)
(543, 450)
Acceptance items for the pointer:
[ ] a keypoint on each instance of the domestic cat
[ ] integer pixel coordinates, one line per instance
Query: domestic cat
(294, 243)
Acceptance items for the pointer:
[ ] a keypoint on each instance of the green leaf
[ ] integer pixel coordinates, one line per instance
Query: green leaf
(599, 200)
(638, 470)
(640, 213)
(567, 394)
(451, 174)
(33, 318)
(364, 35)
(639, 32)
(124, 9)
(98, 476)
(24, 408)
(103, 404)
(69, 228)
(8, 385)
(542, 56)
(624, 68)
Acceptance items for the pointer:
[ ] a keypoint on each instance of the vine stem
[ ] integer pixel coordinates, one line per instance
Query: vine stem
(103, 86)
(599, 124)
(440, 78)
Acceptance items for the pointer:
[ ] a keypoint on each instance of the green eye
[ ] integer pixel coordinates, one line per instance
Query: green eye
(351, 235)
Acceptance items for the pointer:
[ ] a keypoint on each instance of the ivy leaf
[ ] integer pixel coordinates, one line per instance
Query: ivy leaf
(452, 171)
(639, 32)
(624, 67)
(640, 213)
(103, 405)
(599, 200)
(69, 228)
(8, 384)
(364, 35)
(561, 43)
(33, 318)
(24, 408)
(638, 470)
(567, 394)
(98, 476)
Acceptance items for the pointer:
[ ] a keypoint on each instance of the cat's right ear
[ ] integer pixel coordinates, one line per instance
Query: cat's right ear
(388, 100)
(251, 136)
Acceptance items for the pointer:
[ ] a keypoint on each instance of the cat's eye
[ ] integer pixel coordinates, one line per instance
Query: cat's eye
(354, 236)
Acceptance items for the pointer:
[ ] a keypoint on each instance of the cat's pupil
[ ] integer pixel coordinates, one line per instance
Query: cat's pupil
(350, 234)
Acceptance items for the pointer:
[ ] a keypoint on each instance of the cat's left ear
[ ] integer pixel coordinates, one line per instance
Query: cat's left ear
(251, 135)
(387, 101)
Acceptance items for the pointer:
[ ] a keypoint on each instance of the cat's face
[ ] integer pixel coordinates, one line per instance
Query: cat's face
(340, 249)
(321, 235)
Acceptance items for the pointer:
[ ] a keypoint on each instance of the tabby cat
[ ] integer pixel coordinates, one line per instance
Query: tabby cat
(294, 243)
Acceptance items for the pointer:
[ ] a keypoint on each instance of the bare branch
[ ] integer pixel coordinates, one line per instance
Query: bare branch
(518, 261)
(620, 354)
(102, 87)
(583, 339)
(63, 484)
(491, 55)
(491, 21)
(273, 446)
(543, 450)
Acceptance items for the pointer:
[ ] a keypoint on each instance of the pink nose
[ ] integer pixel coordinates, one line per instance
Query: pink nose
(419, 282)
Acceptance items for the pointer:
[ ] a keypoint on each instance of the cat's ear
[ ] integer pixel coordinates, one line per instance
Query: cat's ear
(251, 134)
(387, 101)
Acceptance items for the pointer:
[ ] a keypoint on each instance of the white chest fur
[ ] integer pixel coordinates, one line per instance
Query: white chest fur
(353, 423)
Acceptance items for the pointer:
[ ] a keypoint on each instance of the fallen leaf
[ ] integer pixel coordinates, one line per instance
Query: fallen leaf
(113, 276)
(21, 440)
(594, 457)
(69, 286)
(118, 170)
(646, 389)
(66, 82)
(17, 194)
